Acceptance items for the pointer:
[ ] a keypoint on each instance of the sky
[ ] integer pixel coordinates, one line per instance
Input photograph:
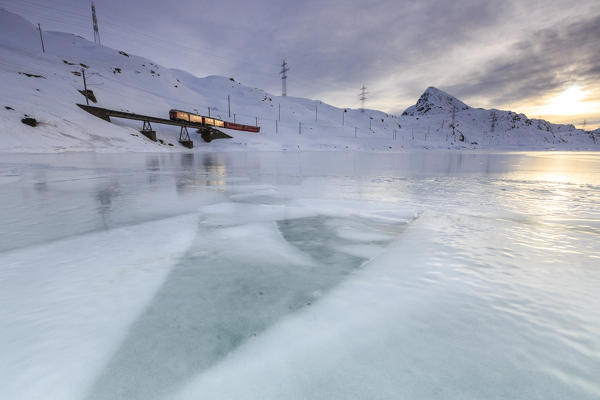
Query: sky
(541, 58)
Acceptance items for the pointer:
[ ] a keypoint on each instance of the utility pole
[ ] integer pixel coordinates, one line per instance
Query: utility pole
(209, 112)
(493, 121)
(228, 106)
(41, 38)
(283, 71)
(344, 112)
(95, 25)
(453, 118)
(316, 113)
(279, 115)
(363, 97)
(85, 87)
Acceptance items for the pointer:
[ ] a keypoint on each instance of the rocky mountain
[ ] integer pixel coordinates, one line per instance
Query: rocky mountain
(446, 118)
(435, 101)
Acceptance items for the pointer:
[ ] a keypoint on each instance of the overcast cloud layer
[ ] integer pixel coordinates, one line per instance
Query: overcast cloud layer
(503, 54)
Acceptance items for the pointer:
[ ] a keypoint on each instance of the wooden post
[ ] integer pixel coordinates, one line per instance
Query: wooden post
(228, 106)
(41, 39)
(85, 87)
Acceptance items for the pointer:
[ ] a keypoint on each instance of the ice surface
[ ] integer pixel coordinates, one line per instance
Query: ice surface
(306, 275)
(66, 304)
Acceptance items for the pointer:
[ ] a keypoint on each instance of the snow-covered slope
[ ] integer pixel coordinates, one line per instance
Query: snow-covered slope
(450, 120)
(440, 117)
(45, 86)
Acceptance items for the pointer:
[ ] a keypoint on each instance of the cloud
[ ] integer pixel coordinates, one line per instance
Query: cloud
(549, 60)
(488, 53)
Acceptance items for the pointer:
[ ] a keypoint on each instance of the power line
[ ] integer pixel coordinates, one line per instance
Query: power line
(283, 71)
(95, 22)
(72, 16)
(494, 119)
(363, 97)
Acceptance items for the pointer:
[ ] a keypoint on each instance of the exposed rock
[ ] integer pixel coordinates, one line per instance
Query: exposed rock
(435, 101)
(30, 121)
(32, 75)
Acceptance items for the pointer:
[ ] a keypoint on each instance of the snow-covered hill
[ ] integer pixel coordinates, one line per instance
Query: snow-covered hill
(45, 87)
(445, 115)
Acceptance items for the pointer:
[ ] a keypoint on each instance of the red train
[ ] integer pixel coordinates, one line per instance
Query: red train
(178, 115)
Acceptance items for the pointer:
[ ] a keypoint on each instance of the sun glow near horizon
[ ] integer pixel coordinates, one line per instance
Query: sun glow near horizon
(573, 105)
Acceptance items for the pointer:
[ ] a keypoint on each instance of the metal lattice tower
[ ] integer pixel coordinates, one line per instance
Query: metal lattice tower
(363, 97)
(283, 71)
(95, 21)
(453, 119)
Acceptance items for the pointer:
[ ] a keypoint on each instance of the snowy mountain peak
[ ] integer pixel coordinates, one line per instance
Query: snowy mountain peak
(435, 101)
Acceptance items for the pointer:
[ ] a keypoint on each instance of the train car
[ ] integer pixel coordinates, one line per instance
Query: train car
(213, 122)
(241, 127)
(178, 115)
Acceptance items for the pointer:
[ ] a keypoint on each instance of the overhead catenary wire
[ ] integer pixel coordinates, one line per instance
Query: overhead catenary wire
(75, 16)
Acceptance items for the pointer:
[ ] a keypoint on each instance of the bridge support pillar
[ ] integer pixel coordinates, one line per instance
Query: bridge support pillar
(148, 132)
(184, 138)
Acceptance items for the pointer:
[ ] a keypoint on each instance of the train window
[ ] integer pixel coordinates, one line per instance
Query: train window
(218, 122)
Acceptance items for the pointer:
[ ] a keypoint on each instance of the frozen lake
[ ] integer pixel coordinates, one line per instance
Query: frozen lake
(300, 276)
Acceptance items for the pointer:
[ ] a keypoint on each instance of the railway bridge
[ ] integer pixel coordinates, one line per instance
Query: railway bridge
(208, 133)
